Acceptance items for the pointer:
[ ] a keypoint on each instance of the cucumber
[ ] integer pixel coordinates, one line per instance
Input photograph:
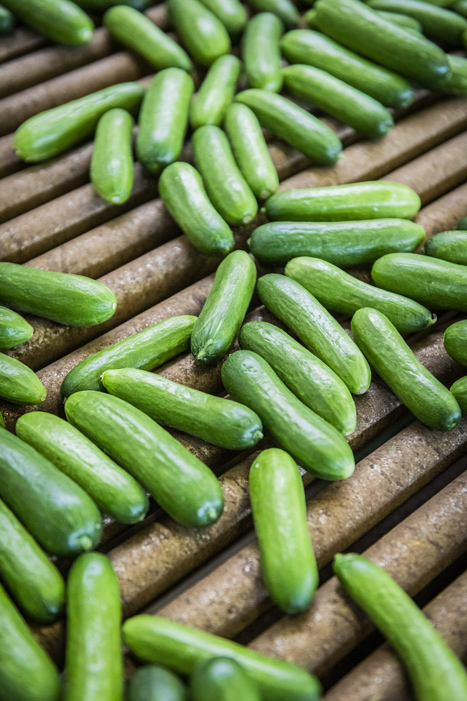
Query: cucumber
(18, 383)
(315, 49)
(455, 341)
(183, 486)
(460, 7)
(226, 187)
(396, 364)
(222, 679)
(462, 224)
(13, 329)
(351, 106)
(231, 13)
(459, 390)
(449, 245)
(57, 512)
(316, 328)
(433, 282)
(51, 132)
(404, 21)
(340, 292)
(101, 5)
(115, 492)
(278, 504)
(164, 119)
(313, 382)
(370, 200)
(182, 191)
(94, 666)
(435, 671)
(132, 29)
(220, 319)
(250, 150)
(152, 683)
(26, 671)
(311, 441)
(293, 124)
(112, 158)
(2, 421)
(74, 300)
(146, 350)
(456, 82)
(284, 9)
(158, 640)
(202, 33)
(261, 53)
(60, 20)
(7, 21)
(213, 419)
(216, 93)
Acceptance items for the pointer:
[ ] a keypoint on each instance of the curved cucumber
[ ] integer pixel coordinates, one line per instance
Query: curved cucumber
(146, 350)
(13, 329)
(449, 245)
(456, 82)
(7, 21)
(220, 319)
(202, 33)
(112, 159)
(183, 486)
(216, 93)
(222, 679)
(435, 671)
(396, 364)
(152, 683)
(316, 328)
(18, 383)
(261, 53)
(57, 512)
(231, 13)
(459, 390)
(115, 492)
(455, 341)
(60, 20)
(284, 9)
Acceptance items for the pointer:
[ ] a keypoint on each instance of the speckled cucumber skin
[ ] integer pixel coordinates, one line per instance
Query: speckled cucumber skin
(112, 158)
(456, 82)
(455, 341)
(60, 20)
(222, 679)
(202, 33)
(261, 53)
(18, 383)
(13, 329)
(216, 92)
(448, 245)
(459, 390)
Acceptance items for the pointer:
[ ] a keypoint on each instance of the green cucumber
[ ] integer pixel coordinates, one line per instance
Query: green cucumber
(316, 328)
(222, 679)
(152, 683)
(182, 191)
(216, 93)
(69, 299)
(459, 390)
(448, 245)
(164, 119)
(462, 224)
(220, 319)
(115, 492)
(13, 329)
(182, 648)
(315, 49)
(57, 512)
(403, 21)
(202, 33)
(278, 504)
(94, 665)
(460, 7)
(60, 20)
(284, 9)
(102, 5)
(213, 419)
(51, 132)
(351, 106)
(396, 364)
(340, 292)
(146, 350)
(293, 124)
(435, 671)
(311, 441)
(2, 421)
(456, 82)
(133, 29)
(455, 341)
(231, 13)
(345, 244)
(18, 383)
(7, 21)
(311, 380)
(261, 53)
(183, 486)
(112, 158)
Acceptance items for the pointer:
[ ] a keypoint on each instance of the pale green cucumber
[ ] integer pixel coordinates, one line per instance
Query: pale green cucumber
(216, 93)
(284, 9)
(60, 20)
(201, 32)
(231, 13)
(112, 159)
(153, 683)
(222, 679)
(261, 53)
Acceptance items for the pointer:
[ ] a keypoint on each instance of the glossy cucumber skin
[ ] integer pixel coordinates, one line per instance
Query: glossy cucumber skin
(312, 442)
(293, 124)
(146, 349)
(402, 20)
(459, 390)
(56, 511)
(460, 7)
(396, 364)
(261, 53)
(224, 310)
(202, 33)
(18, 383)
(438, 23)
(7, 21)
(209, 104)
(448, 245)
(158, 640)
(51, 132)
(231, 13)
(462, 224)
(456, 82)
(112, 159)
(152, 683)
(284, 9)
(455, 341)
(222, 679)
(115, 492)
(182, 191)
(13, 329)
(183, 486)
(94, 666)
(60, 20)
(316, 328)
(435, 671)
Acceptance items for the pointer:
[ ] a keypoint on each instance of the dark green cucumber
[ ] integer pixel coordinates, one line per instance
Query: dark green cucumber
(94, 666)
(152, 683)
(220, 319)
(182, 648)
(448, 245)
(435, 671)
(7, 21)
(278, 504)
(2, 421)
(146, 350)
(456, 82)
(183, 486)
(311, 441)
(182, 191)
(460, 7)
(18, 383)
(231, 13)
(402, 20)
(216, 93)
(369, 200)
(201, 32)
(316, 328)
(51, 132)
(311, 380)
(102, 5)
(131, 28)
(60, 20)
(462, 224)
(455, 341)
(340, 292)
(112, 159)
(13, 329)
(459, 390)
(261, 53)
(74, 300)
(115, 492)
(57, 512)
(396, 364)
(222, 679)
(284, 9)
